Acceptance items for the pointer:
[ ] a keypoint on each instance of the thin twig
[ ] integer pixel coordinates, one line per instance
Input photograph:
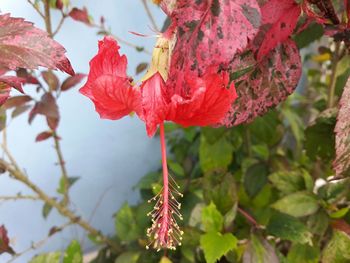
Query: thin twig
(19, 197)
(40, 243)
(64, 172)
(149, 14)
(249, 218)
(333, 77)
(36, 8)
(63, 210)
(60, 24)
(47, 17)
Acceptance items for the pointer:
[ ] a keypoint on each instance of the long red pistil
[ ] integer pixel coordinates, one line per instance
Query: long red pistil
(165, 232)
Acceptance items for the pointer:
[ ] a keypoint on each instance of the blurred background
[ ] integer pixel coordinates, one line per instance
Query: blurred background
(106, 180)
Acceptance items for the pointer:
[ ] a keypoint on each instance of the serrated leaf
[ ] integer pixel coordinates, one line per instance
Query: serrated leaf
(128, 257)
(287, 181)
(298, 204)
(216, 156)
(259, 251)
(320, 139)
(303, 254)
(207, 34)
(73, 253)
(212, 220)
(337, 249)
(125, 224)
(269, 83)
(255, 178)
(216, 245)
(279, 18)
(53, 257)
(288, 228)
(341, 163)
(23, 45)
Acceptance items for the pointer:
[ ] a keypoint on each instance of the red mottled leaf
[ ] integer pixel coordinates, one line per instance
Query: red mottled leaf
(70, 82)
(80, 15)
(4, 92)
(266, 84)
(51, 79)
(168, 6)
(47, 106)
(154, 104)
(209, 33)
(108, 86)
(5, 242)
(13, 81)
(43, 136)
(279, 18)
(341, 164)
(23, 45)
(29, 79)
(16, 101)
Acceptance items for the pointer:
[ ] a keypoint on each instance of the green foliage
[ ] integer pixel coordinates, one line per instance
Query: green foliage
(73, 253)
(53, 257)
(216, 245)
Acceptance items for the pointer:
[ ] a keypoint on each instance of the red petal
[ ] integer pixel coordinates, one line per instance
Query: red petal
(108, 86)
(114, 97)
(209, 103)
(154, 103)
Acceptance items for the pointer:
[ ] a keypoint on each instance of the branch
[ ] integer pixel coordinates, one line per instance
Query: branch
(249, 218)
(60, 24)
(19, 197)
(64, 211)
(62, 164)
(40, 243)
(47, 17)
(149, 14)
(36, 8)
(333, 78)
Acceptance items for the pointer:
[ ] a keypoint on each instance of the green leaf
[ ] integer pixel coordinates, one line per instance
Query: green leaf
(296, 124)
(53, 257)
(128, 257)
(313, 32)
(287, 182)
(221, 190)
(340, 213)
(259, 251)
(216, 245)
(216, 156)
(320, 138)
(73, 253)
(212, 220)
(71, 180)
(332, 192)
(165, 260)
(125, 224)
(255, 178)
(46, 210)
(303, 254)
(337, 249)
(297, 204)
(288, 228)
(176, 168)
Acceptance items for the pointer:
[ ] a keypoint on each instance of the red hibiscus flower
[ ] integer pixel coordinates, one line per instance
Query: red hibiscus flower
(200, 101)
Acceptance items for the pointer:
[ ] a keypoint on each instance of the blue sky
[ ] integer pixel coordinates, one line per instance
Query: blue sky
(110, 157)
